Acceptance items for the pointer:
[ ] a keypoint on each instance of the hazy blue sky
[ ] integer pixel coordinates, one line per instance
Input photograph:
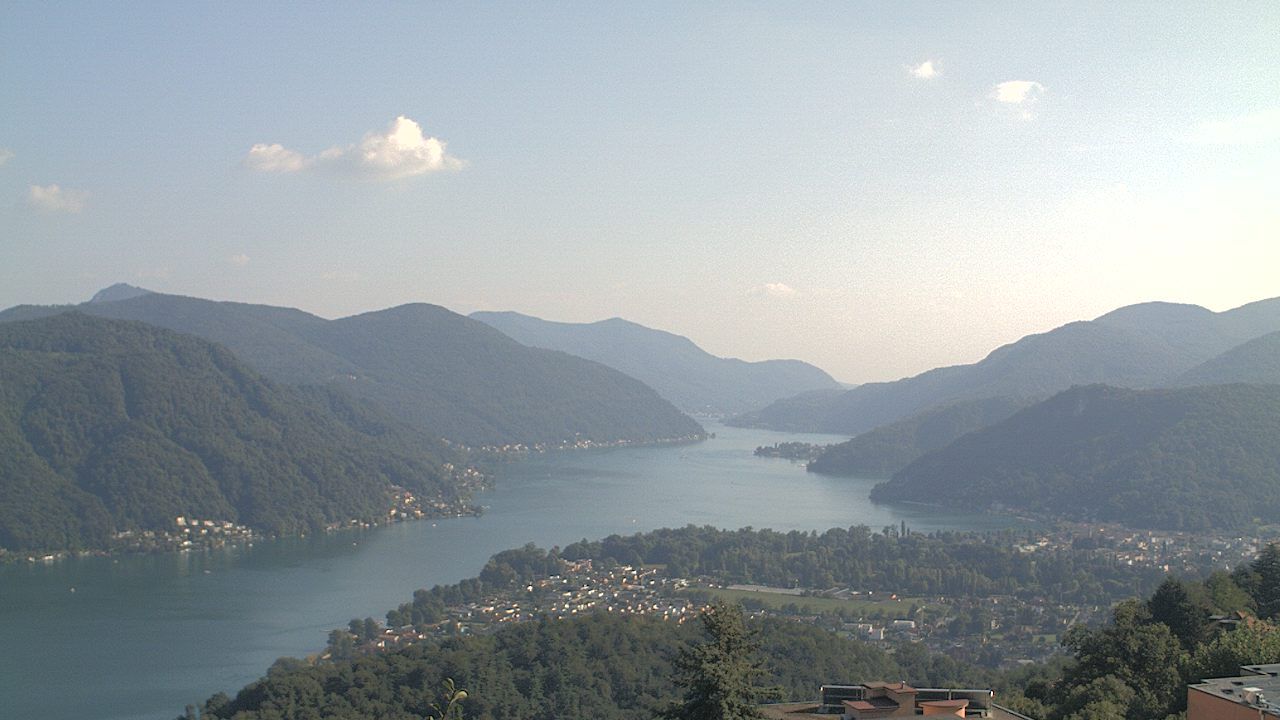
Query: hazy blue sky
(878, 188)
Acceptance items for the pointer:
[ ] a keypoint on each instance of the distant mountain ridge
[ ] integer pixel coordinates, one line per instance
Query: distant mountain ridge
(110, 425)
(119, 291)
(1257, 361)
(449, 375)
(683, 373)
(1198, 458)
(1139, 346)
(887, 449)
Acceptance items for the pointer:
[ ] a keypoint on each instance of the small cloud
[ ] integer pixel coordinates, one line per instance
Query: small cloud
(1016, 92)
(53, 198)
(239, 260)
(1020, 95)
(773, 290)
(274, 158)
(399, 152)
(925, 70)
(5, 155)
(1251, 129)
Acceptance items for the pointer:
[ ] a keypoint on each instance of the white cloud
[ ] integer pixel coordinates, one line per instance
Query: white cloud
(1252, 129)
(239, 260)
(774, 290)
(53, 198)
(5, 155)
(1020, 95)
(925, 70)
(1016, 92)
(399, 152)
(274, 158)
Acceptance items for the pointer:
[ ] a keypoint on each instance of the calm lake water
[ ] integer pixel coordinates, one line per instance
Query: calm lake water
(143, 636)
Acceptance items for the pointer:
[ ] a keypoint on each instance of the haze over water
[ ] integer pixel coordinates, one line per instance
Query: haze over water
(142, 636)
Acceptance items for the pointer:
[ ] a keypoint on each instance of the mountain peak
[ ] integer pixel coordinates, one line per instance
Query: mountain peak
(119, 291)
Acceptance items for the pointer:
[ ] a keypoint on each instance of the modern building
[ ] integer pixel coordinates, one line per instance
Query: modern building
(875, 700)
(1252, 695)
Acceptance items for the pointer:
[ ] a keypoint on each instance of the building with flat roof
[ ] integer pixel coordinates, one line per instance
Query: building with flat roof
(875, 700)
(1254, 694)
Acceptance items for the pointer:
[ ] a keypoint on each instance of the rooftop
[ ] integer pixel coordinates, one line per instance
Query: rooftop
(1257, 686)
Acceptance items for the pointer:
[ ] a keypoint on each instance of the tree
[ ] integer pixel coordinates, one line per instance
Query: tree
(451, 708)
(1267, 569)
(1133, 651)
(719, 675)
(1257, 643)
(1171, 605)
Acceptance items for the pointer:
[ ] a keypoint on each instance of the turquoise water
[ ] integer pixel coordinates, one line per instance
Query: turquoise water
(142, 636)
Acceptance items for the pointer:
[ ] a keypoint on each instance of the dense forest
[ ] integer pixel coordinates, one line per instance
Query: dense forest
(1200, 458)
(109, 426)
(444, 373)
(884, 451)
(1140, 346)
(598, 666)
(690, 377)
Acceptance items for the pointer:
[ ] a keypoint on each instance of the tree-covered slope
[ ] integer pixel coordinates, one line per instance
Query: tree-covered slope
(1195, 458)
(108, 426)
(1257, 361)
(443, 370)
(1137, 346)
(690, 377)
(886, 450)
(451, 376)
(599, 666)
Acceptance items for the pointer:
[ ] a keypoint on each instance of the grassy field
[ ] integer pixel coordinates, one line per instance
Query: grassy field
(857, 606)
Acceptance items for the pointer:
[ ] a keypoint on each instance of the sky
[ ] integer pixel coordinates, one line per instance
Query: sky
(876, 188)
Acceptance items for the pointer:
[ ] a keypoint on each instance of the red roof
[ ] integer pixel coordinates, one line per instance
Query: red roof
(945, 703)
(878, 704)
(898, 687)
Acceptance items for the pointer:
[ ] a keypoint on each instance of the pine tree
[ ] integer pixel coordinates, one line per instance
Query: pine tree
(1267, 568)
(1171, 605)
(719, 675)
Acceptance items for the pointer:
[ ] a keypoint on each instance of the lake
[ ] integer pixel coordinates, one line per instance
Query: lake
(143, 636)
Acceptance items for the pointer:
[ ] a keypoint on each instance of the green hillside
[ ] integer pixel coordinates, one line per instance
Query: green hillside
(446, 374)
(1196, 459)
(108, 426)
(690, 377)
(886, 450)
(597, 666)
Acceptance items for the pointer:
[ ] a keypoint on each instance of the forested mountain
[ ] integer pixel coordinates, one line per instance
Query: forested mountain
(1139, 346)
(449, 375)
(1257, 361)
(1196, 458)
(690, 377)
(886, 450)
(108, 426)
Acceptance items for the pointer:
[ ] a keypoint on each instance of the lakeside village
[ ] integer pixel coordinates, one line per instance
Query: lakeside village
(513, 451)
(995, 631)
(190, 534)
